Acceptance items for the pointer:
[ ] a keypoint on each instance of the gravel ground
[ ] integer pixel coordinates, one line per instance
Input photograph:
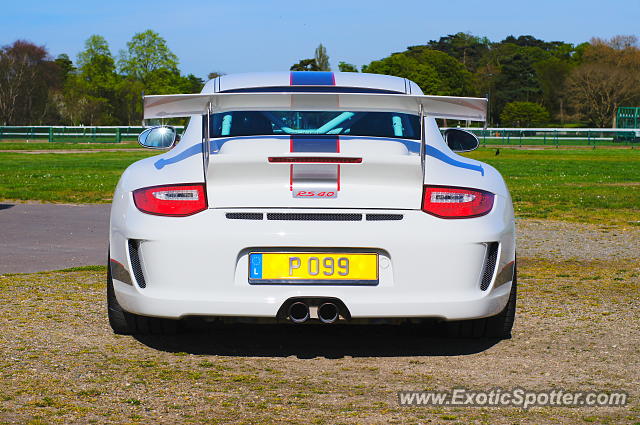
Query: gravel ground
(577, 328)
(557, 240)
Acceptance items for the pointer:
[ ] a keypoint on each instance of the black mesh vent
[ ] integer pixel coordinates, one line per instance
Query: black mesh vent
(383, 217)
(314, 217)
(489, 265)
(136, 265)
(244, 216)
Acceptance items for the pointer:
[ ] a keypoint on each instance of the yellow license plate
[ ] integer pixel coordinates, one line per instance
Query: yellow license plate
(313, 268)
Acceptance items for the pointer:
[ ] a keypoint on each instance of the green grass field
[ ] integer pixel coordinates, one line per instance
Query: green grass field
(74, 178)
(574, 185)
(33, 146)
(597, 186)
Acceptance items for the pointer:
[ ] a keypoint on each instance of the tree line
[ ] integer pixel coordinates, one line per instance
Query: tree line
(529, 82)
(98, 89)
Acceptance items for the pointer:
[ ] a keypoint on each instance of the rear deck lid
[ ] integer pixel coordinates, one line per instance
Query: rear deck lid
(314, 171)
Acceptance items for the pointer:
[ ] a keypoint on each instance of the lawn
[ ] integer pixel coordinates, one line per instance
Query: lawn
(73, 178)
(573, 185)
(600, 185)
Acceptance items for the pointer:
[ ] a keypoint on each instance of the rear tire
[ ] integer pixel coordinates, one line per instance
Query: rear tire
(117, 316)
(498, 326)
(124, 323)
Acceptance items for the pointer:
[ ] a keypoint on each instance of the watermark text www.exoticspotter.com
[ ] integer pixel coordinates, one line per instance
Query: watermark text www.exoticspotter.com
(515, 397)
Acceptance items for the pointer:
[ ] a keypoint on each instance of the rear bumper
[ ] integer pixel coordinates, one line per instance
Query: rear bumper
(198, 265)
(374, 304)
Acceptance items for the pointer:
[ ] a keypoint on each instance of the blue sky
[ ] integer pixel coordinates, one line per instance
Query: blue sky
(253, 35)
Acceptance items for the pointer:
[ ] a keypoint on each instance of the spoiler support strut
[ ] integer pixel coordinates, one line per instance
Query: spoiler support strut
(422, 141)
(205, 139)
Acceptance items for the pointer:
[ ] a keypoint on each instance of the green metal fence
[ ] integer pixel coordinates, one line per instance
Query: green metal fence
(557, 136)
(67, 134)
(488, 136)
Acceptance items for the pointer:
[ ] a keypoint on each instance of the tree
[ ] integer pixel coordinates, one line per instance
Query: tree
(305, 65)
(608, 77)
(618, 42)
(320, 62)
(517, 79)
(465, 47)
(90, 94)
(129, 101)
(97, 68)
(347, 67)
(524, 114)
(27, 78)
(147, 52)
(531, 41)
(191, 84)
(434, 71)
(552, 76)
(401, 65)
(215, 74)
(95, 62)
(455, 80)
(322, 59)
(65, 64)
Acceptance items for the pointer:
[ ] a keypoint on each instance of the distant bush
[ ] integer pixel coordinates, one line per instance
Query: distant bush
(524, 114)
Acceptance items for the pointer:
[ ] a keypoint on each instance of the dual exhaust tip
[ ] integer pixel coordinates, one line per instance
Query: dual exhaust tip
(328, 312)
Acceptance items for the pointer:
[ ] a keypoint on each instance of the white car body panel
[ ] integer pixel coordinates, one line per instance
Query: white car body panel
(198, 265)
(388, 177)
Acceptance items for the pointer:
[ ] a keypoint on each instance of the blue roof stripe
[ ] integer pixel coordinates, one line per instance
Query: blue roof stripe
(312, 78)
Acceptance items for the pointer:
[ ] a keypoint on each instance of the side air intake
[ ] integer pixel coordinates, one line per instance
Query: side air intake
(136, 264)
(489, 265)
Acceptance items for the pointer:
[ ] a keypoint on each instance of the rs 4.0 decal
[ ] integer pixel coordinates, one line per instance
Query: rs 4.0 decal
(313, 194)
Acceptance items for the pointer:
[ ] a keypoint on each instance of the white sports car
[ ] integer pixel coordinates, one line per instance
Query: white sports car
(314, 197)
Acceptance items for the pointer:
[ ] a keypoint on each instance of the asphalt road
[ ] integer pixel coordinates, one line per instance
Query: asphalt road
(39, 237)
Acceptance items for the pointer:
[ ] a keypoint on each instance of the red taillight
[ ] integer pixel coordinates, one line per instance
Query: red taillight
(177, 200)
(316, 159)
(456, 202)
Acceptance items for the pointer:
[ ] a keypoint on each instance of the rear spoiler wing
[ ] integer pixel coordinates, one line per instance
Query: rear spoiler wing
(183, 105)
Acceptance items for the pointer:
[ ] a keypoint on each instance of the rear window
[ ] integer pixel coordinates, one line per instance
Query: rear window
(264, 123)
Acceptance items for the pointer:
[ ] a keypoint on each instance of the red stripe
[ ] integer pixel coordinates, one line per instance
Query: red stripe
(291, 177)
(290, 150)
(338, 178)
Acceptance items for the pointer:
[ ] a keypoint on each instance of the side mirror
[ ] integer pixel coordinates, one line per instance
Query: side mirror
(461, 140)
(161, 137)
